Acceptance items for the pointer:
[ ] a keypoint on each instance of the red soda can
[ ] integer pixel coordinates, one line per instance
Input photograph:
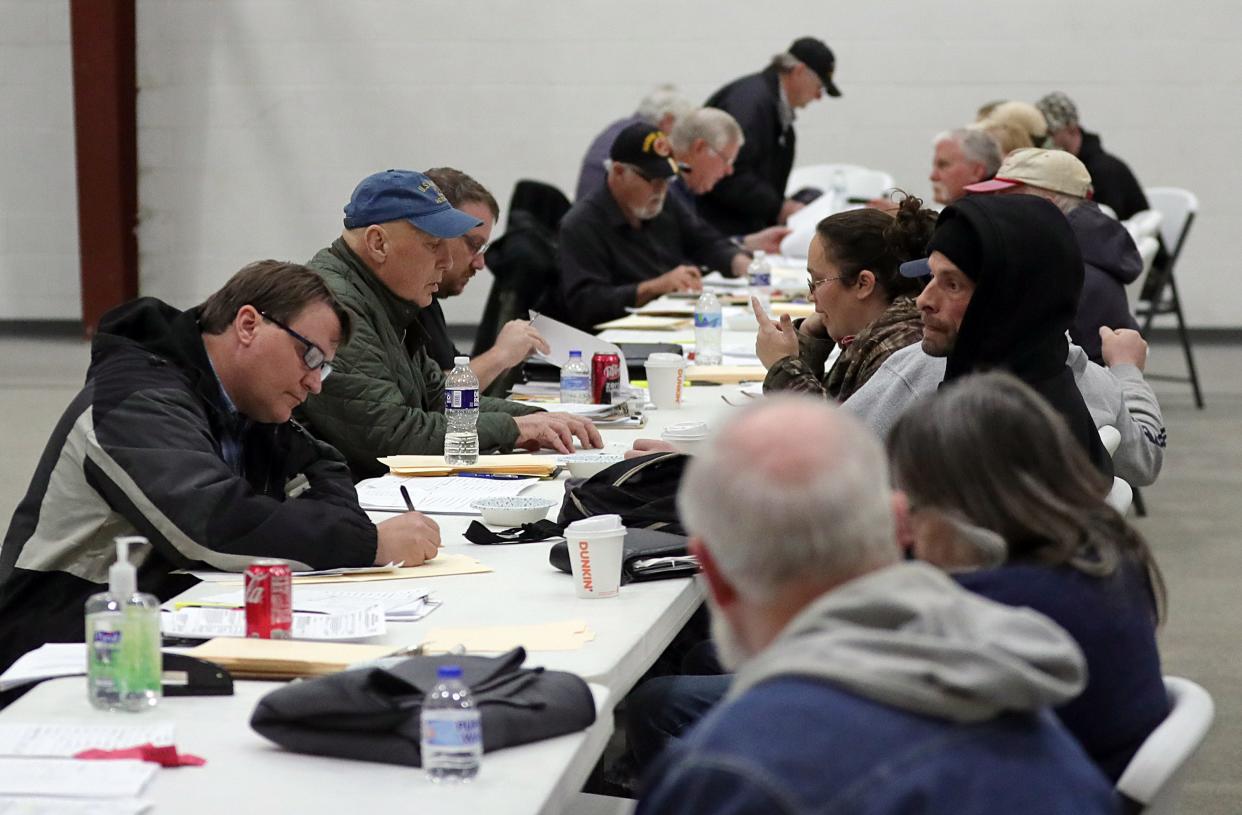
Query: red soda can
(269, 600)
(605, 379)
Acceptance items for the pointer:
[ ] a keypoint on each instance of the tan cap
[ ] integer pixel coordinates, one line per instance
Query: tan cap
(1054, 170)
(1022, 115)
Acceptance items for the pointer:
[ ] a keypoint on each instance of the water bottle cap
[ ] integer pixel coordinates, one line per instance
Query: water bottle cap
(760, 254)
(573, 354)
(449, 672)
(463, 360)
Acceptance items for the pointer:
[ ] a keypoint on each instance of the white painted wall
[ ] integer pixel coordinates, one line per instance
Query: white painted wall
(257, 117)
(38, 183)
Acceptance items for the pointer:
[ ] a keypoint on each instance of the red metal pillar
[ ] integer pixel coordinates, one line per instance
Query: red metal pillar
(105, 91)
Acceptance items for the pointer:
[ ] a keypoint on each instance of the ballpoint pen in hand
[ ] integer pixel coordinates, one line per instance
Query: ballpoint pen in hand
(406, 495)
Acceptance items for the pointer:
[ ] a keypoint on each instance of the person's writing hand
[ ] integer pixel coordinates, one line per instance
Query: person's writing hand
(766, 240)
(682, 278)
(410, 537)
(775, 341)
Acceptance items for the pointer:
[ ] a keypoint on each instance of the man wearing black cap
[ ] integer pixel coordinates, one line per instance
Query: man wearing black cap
(628, 243)
(764, 104)
(387, 396)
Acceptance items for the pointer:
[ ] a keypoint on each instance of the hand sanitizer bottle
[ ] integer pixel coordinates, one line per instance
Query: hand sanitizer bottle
(123, 662)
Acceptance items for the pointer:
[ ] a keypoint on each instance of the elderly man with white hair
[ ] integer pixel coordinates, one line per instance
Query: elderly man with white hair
(963, 156)
(705, 144)
(864, 683)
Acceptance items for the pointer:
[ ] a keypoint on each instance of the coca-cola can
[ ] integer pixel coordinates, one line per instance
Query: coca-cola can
(269, 600)
(606, 379)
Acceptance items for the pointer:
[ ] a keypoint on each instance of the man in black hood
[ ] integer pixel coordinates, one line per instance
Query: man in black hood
(1006, 275)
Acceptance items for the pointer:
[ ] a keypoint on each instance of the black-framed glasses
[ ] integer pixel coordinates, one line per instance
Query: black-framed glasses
(812, 284)
(314, 358)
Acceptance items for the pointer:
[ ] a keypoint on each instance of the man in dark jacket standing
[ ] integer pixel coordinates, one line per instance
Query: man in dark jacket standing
(182, 435)
(764, 104)
(1110, 258)
(1115, 185)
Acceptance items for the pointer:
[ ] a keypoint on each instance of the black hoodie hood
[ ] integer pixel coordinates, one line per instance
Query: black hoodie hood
(1026, 291)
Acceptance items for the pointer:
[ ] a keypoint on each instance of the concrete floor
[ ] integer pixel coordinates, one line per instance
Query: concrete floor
(1194, 523)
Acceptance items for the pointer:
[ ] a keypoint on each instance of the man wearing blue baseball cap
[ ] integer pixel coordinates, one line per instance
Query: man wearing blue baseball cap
(386, 396)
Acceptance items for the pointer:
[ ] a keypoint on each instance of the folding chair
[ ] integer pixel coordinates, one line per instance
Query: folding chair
(1178, 208)
(1153, 777)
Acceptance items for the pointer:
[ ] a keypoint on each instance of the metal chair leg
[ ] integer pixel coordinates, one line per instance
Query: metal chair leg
(1140, 509)
(1184, 335)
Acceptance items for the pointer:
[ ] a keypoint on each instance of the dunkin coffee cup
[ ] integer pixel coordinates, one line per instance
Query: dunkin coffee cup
(687, 437)
(596, 546)
(664, 379)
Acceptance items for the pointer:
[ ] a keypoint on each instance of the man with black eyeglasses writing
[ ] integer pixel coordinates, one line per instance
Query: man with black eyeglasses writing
(182, 434)
(517, 339)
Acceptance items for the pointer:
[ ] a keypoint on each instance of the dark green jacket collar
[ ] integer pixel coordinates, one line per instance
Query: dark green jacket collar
(401, 312)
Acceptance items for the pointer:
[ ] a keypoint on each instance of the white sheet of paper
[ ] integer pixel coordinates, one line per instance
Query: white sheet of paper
(406, 605)
(563, 338)
(448, 495)
(69, 739)
(71, 806)
(715, 280)
(206, 623)
(53, 659)
(71, 778)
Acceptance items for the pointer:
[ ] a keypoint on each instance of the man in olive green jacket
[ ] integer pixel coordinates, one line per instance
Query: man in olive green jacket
(386, 395)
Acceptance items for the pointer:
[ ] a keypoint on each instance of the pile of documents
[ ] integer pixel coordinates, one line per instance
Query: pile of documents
(38, 773)
(443, 495)
(318, 613)
(285, 659)
(512, 464)
(564, 635)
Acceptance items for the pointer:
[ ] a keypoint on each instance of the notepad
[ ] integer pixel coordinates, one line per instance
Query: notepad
(566, 635)
(70, 778)
(511, 463)
(285, 659)
(447, 495)
(726, 374)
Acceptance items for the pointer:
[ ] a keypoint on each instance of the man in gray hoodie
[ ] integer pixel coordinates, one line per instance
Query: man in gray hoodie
(864, 684)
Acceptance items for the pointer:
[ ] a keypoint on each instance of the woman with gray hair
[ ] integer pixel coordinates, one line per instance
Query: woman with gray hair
(992, 473)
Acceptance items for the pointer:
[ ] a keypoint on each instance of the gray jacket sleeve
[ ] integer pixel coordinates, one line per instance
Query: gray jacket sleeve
(1120, 397)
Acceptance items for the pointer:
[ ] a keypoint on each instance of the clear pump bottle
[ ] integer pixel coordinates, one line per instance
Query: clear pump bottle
(123, 661)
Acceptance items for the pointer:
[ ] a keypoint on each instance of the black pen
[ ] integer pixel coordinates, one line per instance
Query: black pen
(406, 495)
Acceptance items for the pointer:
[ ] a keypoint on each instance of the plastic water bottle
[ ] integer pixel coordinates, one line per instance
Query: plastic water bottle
(452, 731)
(575, 380)
(461, 408)
(840, 189)
(708, 328)
(759, 279)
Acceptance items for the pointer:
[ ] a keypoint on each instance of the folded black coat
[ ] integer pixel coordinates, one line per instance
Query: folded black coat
(372, 714)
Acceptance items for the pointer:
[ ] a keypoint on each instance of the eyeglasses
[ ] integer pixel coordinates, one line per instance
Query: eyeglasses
(812, 284)
(477, 249)
(314, 358)
(728, 162)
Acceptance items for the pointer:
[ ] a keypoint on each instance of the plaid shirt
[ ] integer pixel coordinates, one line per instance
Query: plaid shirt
(899, 326)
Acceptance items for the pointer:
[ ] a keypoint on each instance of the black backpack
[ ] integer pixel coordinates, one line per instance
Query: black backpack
(643, 491)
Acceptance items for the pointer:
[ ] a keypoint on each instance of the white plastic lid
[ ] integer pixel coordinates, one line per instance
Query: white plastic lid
(596, 523)
(463, 360)
(686, 430)
(665, 360)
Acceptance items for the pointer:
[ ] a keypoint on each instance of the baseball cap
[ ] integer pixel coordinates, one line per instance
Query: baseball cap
(818, 57)
(1054, 170)
(646, 148)
(1022, 115)
(1059, 111)
(394, 195)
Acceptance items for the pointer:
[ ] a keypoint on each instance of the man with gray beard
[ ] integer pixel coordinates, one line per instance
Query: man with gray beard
(863, 683)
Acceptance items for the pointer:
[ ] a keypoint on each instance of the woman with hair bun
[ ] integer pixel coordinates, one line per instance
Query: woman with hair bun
(862, 303)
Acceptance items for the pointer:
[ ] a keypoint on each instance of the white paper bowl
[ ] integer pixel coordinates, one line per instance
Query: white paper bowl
(585, 465)
(513, 511)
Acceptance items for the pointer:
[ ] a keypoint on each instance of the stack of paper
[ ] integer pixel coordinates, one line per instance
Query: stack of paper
(338, 622)
(512, 463)
(285, 659)
(567, 635)
(66, 740)
(642, 322)
(446, 495)
(51, 660)
(401, 605)
(121, 780)
(726, 374)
